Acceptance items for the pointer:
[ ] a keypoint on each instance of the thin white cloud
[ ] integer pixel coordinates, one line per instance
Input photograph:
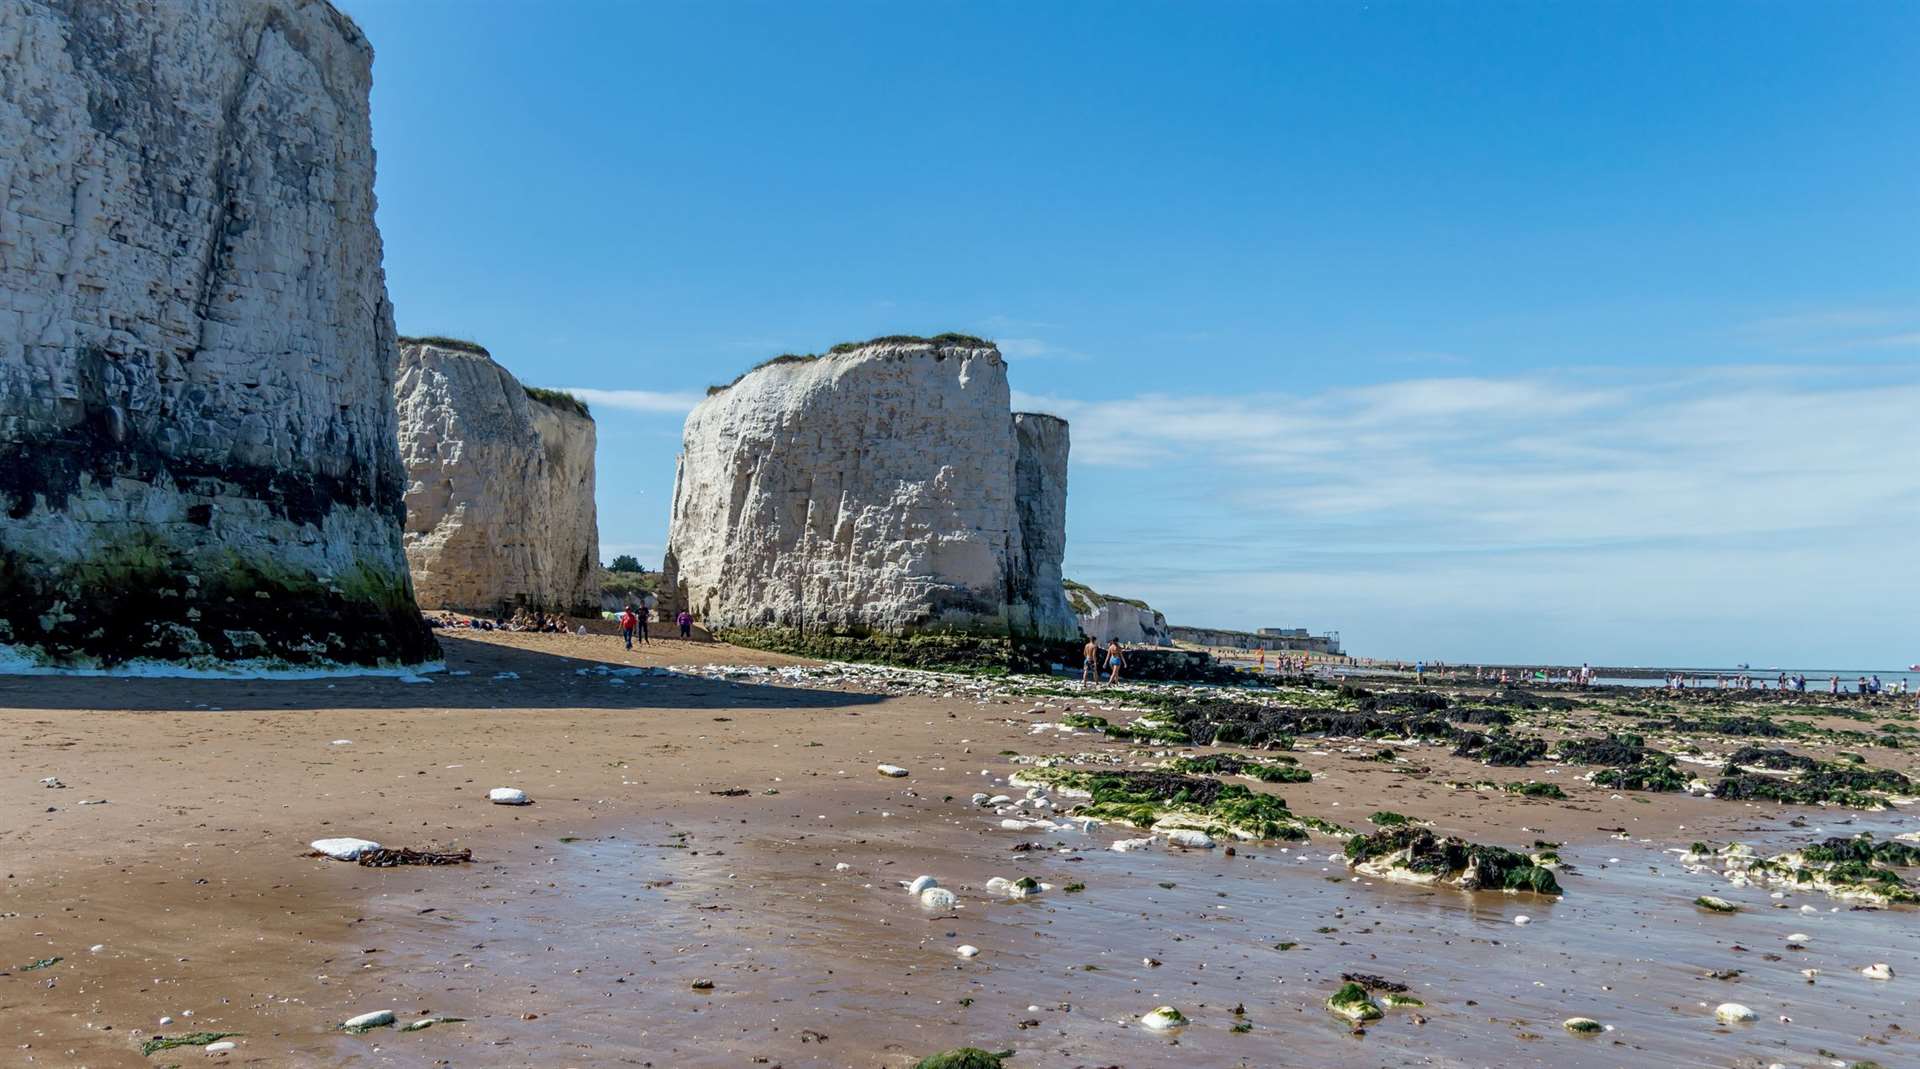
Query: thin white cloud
(672, 404)
(1035, 349)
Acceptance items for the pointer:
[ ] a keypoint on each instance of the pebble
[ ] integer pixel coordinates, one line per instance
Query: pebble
(966, 950)
(1523, 919)
(376, 1019)
(1732, 1013)
(894, 771)
(508, 796)
(921, 883)
(938, 898)
(1192, 838)
(1126, 846)
(1582, 1025)
(221, 1047)
(1878, 971)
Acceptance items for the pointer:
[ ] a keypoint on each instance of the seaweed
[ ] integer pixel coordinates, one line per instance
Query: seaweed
(1281, 770)
(1500, 749)
(1617, 751)
(964, 1058)
(1470, 866)
(1655, 772)
(1778, 760)
(1352, 1002)
(155, 1044)
(1535, 789)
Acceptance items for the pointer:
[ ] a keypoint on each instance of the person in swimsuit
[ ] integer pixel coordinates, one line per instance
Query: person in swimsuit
(1088, 654)
(1113, 660)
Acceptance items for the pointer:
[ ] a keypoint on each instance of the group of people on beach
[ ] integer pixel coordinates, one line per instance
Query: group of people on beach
(633, 622)
(1283, 663)
(1095, 660)
(1784, 682)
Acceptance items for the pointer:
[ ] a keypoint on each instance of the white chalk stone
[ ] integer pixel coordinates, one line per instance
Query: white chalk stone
(938, 898)
(1878, 971)
(1732, 1013)
(1191, 838)
(375, 1019)
(220, 1047)
(1125, 846)
(344, 849)
(921, 883)
(508, 796)
(1523, 919)
(967, 950)
(894, 771)
(1164, 1019)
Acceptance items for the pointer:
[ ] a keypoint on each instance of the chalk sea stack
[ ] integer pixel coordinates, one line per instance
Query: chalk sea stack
(883, 491)
(500, 511)
(197, 455)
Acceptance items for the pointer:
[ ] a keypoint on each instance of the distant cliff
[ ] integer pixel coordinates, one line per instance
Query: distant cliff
(500, 509)
(197, 453)
(1106, 618)
(884, 488)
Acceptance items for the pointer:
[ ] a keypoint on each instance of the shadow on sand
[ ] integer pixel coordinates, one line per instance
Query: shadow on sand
(473, 680)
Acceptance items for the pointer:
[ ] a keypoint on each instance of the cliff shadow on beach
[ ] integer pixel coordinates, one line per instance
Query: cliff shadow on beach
(579, 673)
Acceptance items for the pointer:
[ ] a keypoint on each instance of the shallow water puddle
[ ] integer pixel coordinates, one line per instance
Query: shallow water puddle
(603, 942)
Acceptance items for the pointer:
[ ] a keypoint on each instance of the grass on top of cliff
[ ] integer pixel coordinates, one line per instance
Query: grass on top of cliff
(850, 346)
(1084, 597)
(558, 399)
(443, 342)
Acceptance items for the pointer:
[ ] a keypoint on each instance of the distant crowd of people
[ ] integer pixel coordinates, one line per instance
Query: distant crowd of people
(1784, 682)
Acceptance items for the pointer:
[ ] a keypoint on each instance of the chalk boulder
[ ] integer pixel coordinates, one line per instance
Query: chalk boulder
(195, 341)
(1107, 618)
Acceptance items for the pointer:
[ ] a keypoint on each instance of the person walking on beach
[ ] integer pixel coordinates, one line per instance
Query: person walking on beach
(640, 618)
(1113, 661)
(628, 622)
(1089, 657)
(685, 619)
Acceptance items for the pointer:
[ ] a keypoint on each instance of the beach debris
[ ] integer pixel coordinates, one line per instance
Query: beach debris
(964, 1058)
(43, 963)
(53, 783)
(1352, 1002)
(428, 1022)
(1374, 983)
(1799, 939)
(1583, 1026)
(1416, 855)
(367, 1022)
(1732, 1013)
(1716, 904)
(343, 849)
(938, 898)
(1163, 1019)
(155, 1044)
(894, 771)
(1879, 970)
(508, 796)
(381, 857)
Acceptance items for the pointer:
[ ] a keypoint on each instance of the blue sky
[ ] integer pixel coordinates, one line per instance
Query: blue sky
(1472, 331)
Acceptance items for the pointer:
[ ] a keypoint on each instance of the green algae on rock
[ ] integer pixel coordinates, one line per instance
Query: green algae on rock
(1145, 799)
(1417, 855)
(1857, 869)
(1352, 1002)
(964, 1058)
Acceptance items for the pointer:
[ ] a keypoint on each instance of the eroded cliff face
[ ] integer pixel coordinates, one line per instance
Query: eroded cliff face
(1038, 604)
(870, 491)
(196, 425)
(499, 500)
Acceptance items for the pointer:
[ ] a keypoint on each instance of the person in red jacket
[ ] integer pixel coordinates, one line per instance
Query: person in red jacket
(628, 624)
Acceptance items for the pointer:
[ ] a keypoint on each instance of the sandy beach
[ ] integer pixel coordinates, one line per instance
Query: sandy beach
(689, 830)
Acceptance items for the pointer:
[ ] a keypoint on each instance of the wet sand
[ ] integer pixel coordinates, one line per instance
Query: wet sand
(577, 935)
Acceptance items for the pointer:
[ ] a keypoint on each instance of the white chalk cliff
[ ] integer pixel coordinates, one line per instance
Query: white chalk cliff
(500, 510)
(1106, 618)
(879, 488)
(197, 453)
